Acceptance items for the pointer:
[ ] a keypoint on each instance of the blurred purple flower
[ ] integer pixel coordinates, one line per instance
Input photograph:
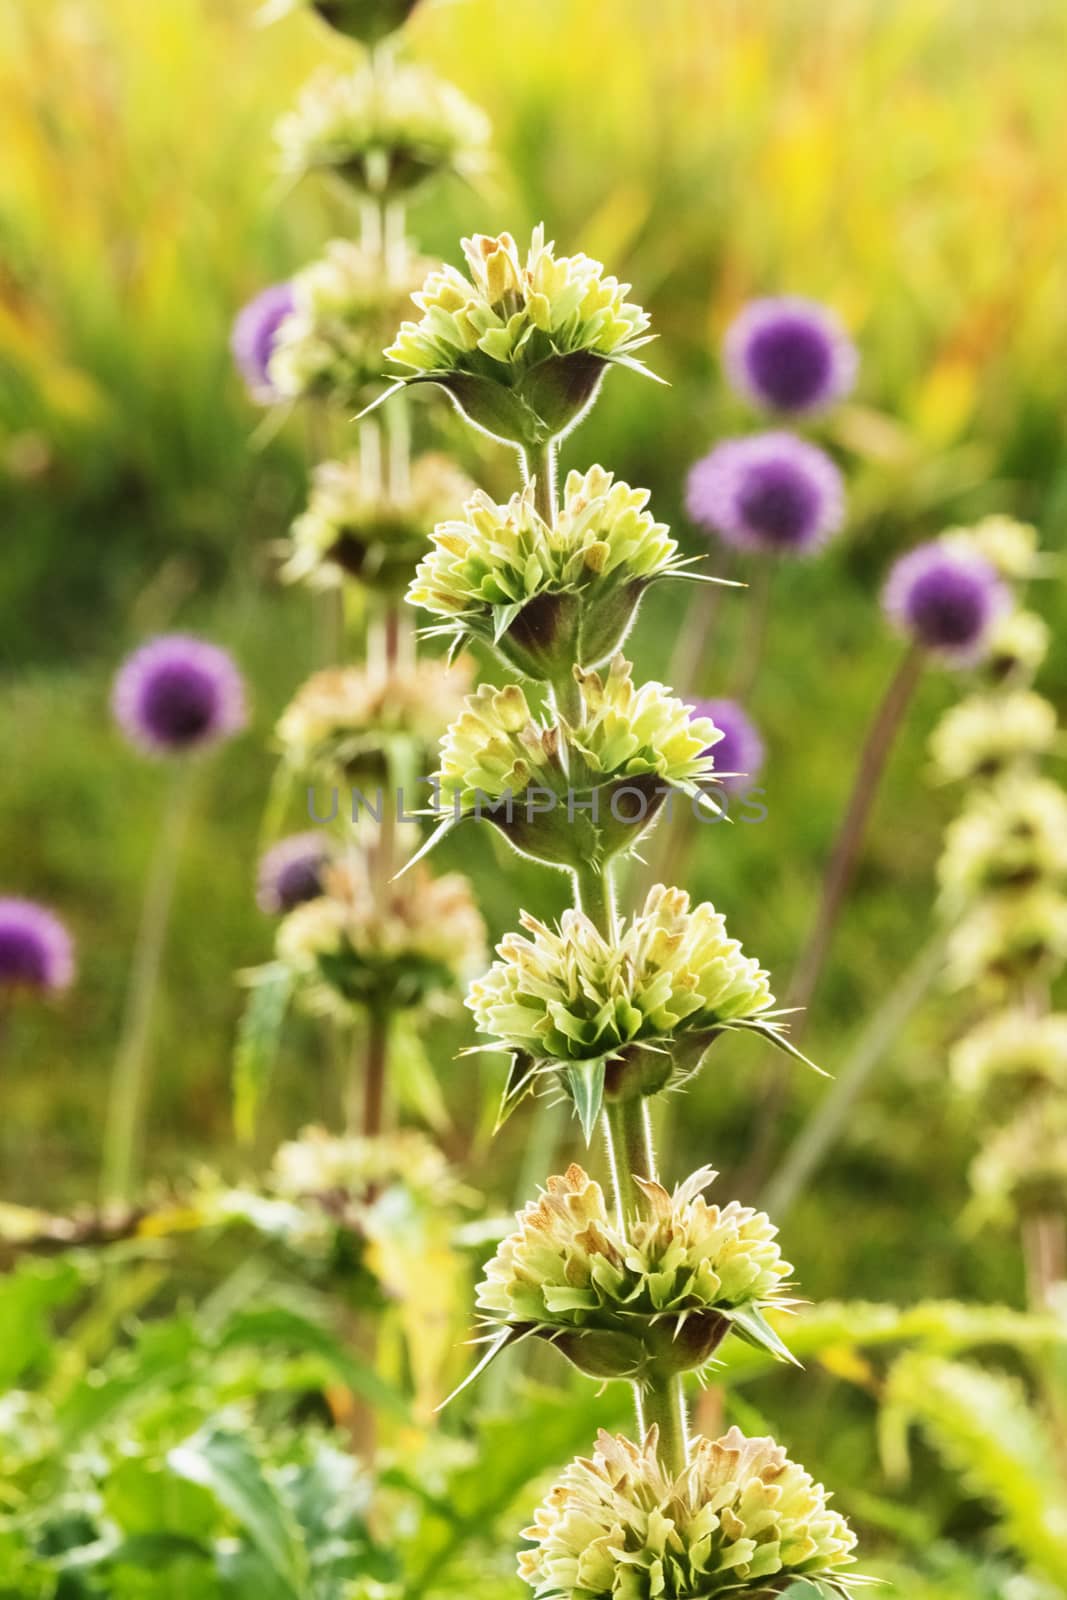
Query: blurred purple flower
(789, 355)
(36, 951)
(255, 332)
(290, 872)
(741, 749)
(945, 599)
(178, 694)
(770, 491)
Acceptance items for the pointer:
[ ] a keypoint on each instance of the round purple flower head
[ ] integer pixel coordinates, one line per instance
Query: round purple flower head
(255, 333)
(291, 872)
(740, 750)
(770, 491)
(945, 599)
(789, 355)
(178, 694)
(35, 948)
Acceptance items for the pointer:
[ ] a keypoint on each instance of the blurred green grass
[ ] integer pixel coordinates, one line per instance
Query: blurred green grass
(899, 161)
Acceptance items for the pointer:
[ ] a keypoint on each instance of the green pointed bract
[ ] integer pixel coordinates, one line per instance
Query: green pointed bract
(656, 1300)
(585, 1084)
(521, 345)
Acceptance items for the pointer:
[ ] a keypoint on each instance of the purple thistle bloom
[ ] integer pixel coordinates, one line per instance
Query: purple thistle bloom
(36, 951)
(945, 599)
(178, 694)
(291, 872)
(740, 750)
(770, 491)
(255, 333)
(789, 355)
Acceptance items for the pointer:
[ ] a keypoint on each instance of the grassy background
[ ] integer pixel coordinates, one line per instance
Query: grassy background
(900, 161)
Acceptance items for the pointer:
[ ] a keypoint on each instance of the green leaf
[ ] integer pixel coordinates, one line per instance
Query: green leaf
(258, 1037)
(585, 1080)
(988, 1430)
(224, 1464)
(28, 1296)
(279, 1325)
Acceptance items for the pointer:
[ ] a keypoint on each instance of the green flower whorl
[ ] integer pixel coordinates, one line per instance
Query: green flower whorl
(383, 130)
(571, 795)
(521, 345)
(548, 597)
(658, 1299)
(739, 1520)
(622, 1017)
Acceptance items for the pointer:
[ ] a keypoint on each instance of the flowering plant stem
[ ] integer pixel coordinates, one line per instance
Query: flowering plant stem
(663, 1402)
(130, 1073)
(539, 468)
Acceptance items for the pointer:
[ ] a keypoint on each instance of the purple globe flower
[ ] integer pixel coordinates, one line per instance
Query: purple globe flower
(36, 951)
(178, 694)
(789, 355)
(255, 333)
(740, 750)
(291, 872)
(945, 599)
(770, 491)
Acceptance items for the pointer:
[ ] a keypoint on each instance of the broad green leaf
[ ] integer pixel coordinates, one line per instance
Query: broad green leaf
(279, 1325)
(223, 1463)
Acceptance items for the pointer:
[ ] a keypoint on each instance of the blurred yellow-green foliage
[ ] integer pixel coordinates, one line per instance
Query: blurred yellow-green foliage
(903, 161)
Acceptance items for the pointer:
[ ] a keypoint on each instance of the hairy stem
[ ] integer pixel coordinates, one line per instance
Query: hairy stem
(662, 1403)
(594, 892)
(539, 468)
(375, 1063)
(130, 1075)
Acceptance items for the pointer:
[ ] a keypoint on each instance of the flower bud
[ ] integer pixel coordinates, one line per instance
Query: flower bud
(1022, 1172)
(329, 345)
(984, 734)
(521, 346)
(1008, 939)
(346, 723)
(1009, 837)
(376, 536)
(383, 130)
(741, 1519)
(355, 948)
(1012, 1055)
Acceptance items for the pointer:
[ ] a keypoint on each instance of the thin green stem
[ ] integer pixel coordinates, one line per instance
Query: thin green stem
(130, 1075)
(594, 892)
(628, 1134)
(662, 1403)
(539, 465)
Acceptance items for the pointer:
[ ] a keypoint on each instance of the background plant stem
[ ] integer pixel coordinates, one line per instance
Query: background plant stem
(130, 1077)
